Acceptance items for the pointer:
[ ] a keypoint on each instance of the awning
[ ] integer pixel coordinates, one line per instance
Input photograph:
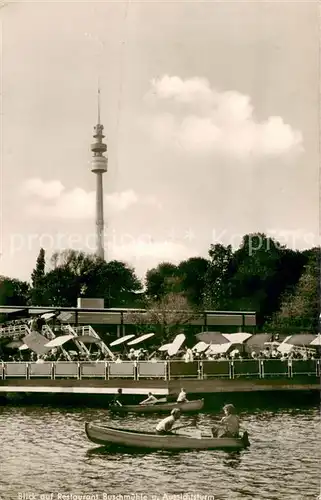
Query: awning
(141, 339)
(121, 340)
(36, 312)
(10, 310)
(59, 341)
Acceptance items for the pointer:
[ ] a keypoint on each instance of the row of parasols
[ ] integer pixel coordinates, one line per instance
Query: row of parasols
(85, 339)
(219, 343)
(211, 342)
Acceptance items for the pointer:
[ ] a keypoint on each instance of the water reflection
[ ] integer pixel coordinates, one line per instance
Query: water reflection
(234, 459)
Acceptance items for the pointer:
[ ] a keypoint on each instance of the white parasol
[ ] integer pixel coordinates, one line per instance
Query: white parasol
(164, 347)
(218, 348)
(176, 344)
(121, 340)
(317, 340)
(59, 341)
(237, 338)
(23, 347)
(47, 316)
(200, 347)
(141, 339)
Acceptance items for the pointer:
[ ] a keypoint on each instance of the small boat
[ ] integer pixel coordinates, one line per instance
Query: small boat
(195, 405)
(108, 436)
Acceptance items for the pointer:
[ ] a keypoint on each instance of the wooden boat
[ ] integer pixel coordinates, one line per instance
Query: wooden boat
(108, 436)
(188, 406)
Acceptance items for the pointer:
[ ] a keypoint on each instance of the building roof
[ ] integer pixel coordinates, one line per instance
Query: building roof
(119, 316)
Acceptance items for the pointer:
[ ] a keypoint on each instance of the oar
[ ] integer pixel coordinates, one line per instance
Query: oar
(192, 424)
(162, 400)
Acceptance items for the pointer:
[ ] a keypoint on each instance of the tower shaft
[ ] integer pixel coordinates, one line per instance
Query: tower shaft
(99, 216)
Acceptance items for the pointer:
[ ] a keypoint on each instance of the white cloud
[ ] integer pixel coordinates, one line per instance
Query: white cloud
(52, 200)
(173, 87)
(47, 190)
(199, 119)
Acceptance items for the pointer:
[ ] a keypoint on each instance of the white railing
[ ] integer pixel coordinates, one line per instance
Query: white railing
(147, 369)
(14, 330)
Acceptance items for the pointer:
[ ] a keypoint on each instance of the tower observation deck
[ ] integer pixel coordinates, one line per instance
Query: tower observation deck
(99, 164)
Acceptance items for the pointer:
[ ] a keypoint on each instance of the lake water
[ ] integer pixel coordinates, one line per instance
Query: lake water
(44, 450)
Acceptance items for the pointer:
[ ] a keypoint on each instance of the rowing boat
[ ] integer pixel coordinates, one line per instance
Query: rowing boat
(108, 436)
(188, 406)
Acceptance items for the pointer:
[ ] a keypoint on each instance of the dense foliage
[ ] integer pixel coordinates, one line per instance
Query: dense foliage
(280, 284)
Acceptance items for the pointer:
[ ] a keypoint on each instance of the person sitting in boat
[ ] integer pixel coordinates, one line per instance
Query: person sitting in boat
(182, 397)
(229, 426)
(165, 426)
(117, 401)
(150, 400)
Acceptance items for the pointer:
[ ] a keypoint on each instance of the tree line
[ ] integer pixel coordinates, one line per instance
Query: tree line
(280, 284)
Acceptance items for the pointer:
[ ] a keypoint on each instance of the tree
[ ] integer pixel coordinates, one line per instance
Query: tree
(162, 280)
(188, 278)
(300, 310)
(37, 280)
(168, 315)
(192, 275)
(253, 277)
(76, 273)
(13, 292)
(217, 279)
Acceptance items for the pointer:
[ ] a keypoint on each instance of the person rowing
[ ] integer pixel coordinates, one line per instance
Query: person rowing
(182, 397)
(229, 425)
(165, 426)
(117, 400)
(151, 400)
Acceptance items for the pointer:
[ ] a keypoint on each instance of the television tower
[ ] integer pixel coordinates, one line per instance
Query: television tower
(99, 167)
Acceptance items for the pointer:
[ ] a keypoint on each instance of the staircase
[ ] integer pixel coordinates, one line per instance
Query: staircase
(47, 332)
(88, 330)
(69, 330)
(24, 329)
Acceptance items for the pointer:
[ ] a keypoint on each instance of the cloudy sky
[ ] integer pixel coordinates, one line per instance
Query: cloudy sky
(211, 119)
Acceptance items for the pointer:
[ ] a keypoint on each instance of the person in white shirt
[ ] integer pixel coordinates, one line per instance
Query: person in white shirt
(150, 400)
(165, 426)
(182, 397)
(190, 355)
(229, 425)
